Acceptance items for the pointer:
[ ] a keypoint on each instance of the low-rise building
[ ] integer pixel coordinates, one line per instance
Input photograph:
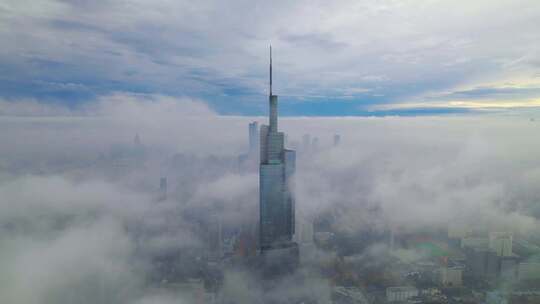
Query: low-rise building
(529, 271)
(400, 293)
(451, 276)
(501, 243)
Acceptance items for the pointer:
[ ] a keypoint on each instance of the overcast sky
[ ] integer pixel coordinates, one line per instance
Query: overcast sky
(330, 57)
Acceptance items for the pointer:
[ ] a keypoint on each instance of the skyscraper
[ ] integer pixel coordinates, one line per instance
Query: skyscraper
(248, 162)
(253, 137)
(337, 140)
(501, 243)
(137, 140)
(276, 202)
(315, 144)
(163, 189)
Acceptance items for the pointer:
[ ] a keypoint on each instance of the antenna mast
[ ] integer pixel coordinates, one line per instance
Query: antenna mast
(270, 70)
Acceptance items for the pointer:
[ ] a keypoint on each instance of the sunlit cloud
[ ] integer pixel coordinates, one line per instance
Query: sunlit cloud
(367, 53)
(465, 104)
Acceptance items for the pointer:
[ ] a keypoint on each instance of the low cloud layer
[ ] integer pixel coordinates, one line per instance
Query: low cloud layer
(78, 217)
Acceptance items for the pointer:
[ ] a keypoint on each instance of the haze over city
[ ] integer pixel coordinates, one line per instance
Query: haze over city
(162, 152)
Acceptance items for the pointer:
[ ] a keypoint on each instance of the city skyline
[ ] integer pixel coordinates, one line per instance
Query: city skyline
(447, 187)
(145, 157)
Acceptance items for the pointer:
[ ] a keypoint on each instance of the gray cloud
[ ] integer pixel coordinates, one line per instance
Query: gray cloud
(211, 48)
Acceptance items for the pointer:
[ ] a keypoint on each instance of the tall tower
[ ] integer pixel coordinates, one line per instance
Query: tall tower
(276, 201)
(253, 137)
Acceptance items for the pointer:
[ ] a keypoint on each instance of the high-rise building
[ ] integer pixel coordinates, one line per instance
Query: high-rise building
(137, 140)
(163, 189)
(247, 162)
(276, 201)
(315, 144)
(253, 137)
(451, 276)
(304, 230)
(501, 243)
(215, 236)
(337, 140)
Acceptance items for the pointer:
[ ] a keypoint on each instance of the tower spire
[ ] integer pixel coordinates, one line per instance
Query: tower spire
(270, 70)
(272, 102)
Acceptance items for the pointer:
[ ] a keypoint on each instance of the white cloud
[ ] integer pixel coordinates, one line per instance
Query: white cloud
(399, 49)
(63, 218)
